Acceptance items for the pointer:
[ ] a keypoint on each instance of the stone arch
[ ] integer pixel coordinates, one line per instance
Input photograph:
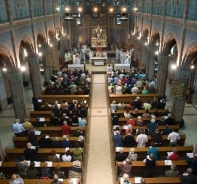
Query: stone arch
(6, 52)
(28, 41)
(145, 30)
(51, 30)
(42, 34)
(155, 35)
(190, 48)
(168, 39)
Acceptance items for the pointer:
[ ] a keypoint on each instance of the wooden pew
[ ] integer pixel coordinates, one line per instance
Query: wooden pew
(131, 98)
(42, 154)
(35, 114)
(121, 112)
(10, 167)
(138, 167)
(123, 121)
(180, 142)
(56, 131)
(182, 151)
(34, 181)
(160, 127)
(20, 142)
(166, 180)
(46, 121)
(69, 98)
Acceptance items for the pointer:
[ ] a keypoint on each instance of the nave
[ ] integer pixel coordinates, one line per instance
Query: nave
(99, 157)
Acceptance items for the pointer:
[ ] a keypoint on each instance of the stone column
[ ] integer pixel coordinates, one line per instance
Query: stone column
(150, 63)
(47, 64)
(178, 106)
(35, 75)
(55, 54)
(143, 53)
(162, 74)
(18, 95)
(62, 46)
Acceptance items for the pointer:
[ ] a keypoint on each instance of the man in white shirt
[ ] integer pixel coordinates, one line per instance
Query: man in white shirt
(134, 90)
(118, 89)
(18, 128)
(141, 140)
(173, 137)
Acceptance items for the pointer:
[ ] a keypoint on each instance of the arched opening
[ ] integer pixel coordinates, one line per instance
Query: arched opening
(170, 50)
(191, 61)
(6, 66)
(155, 42)
(41, 45)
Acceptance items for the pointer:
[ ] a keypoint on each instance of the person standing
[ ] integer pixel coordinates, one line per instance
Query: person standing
(150, 165)
(173, 137)
(187, 177)
(141, 140)
(118, 139)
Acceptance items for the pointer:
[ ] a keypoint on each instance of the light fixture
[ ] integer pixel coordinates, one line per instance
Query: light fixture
(146, 43)
(174, 66)
(39, 45)
(156, 53)
(123, 8)
(58, 8)
(4, 69)
(192, 67)
(135, 9)
(22, 68)
(80, 9)
(67, 9)
(51, 45)
(40, 54)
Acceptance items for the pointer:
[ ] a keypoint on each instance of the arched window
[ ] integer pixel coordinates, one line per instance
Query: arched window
(20, 8)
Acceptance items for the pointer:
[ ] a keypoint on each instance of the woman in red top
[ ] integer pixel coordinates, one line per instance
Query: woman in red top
(174, 155)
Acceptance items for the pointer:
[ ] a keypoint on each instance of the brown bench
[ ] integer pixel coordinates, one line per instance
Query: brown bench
(166, 180)
(182, 150)
(10, 167)
(138, 167)
(42, 154)
(121, 112)
(69, 98)
(180, 142)
(122, 121)
(57, 131)
(34, 181)
(35, 114)
(46, 121)
(160, 127)
(20, 142)
(131, 98)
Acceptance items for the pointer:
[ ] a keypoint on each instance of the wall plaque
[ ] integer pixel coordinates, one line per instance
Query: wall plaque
(176, 90)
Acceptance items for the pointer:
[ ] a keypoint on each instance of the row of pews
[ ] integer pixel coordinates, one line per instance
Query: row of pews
(138, 167)
(13, 154)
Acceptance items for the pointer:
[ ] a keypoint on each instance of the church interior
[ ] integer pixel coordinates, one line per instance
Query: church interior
(51, 44)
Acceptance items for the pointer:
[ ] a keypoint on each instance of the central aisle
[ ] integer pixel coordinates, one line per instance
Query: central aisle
(100, 168)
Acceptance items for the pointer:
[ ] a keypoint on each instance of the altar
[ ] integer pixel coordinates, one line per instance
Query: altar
(98, 61)
(98, 37)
